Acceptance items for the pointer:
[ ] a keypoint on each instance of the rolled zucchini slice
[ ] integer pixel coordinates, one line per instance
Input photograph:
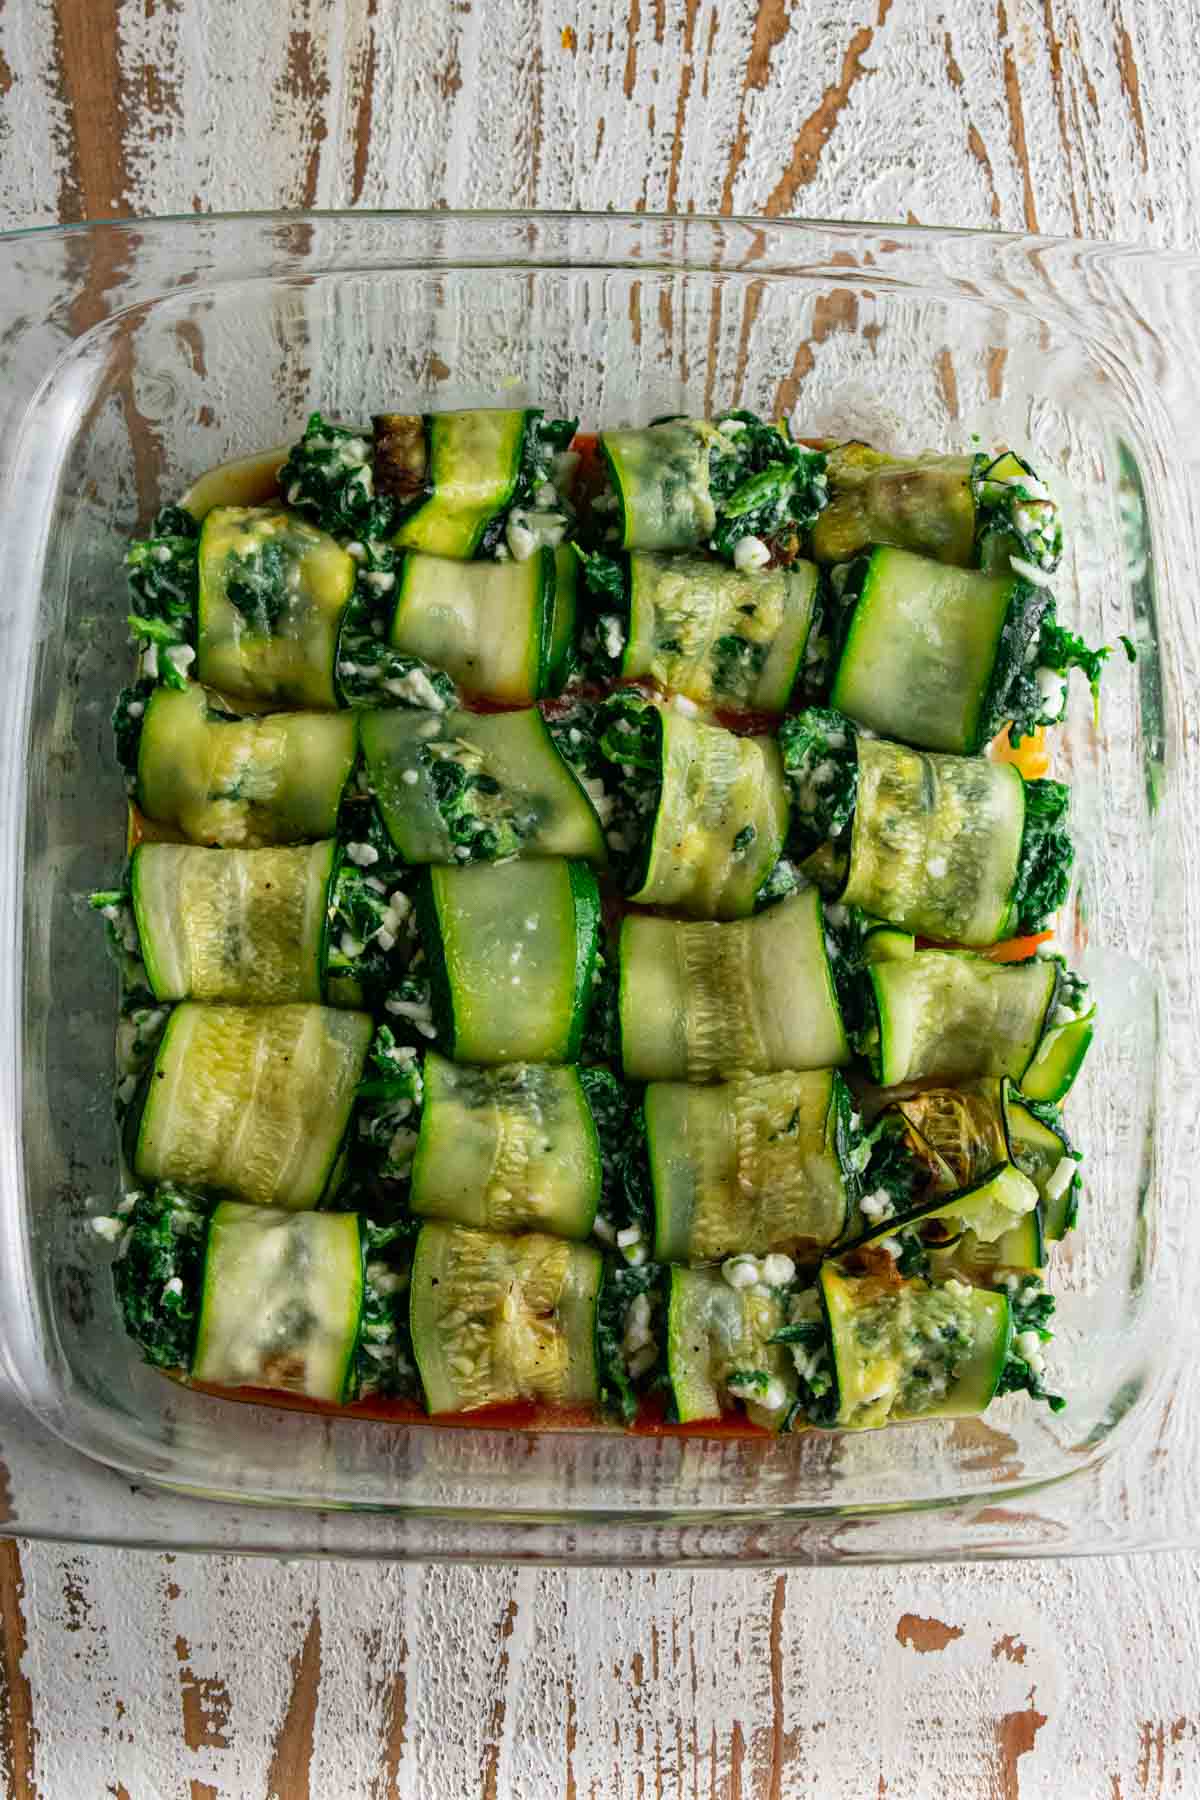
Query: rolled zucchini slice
(952, 1015)
(954, 848)
(701, 813)
(491, 625)
(277, 778)
(754, 996)
(913, 1349)
(506, 1149)
(933, 653)
(720, 1350)
(498, 1319)
(273, 591)
(247, 926)
(963, 510)
(250, 1296)
(990, 1223)
(466, 787)
(282, 1301)
(1041, 1149)
(683, 484)
(252, 1102)
(727, 639)
(462, 483)
(511, 953)
(760, 1164)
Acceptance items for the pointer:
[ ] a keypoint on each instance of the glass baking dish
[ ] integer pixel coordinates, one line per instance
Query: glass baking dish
(136, 355)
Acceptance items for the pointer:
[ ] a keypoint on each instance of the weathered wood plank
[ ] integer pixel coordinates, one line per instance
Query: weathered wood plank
(1047, 1682)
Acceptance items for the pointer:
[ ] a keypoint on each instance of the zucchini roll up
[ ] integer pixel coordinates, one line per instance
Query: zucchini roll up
(954, 848)
(307, 1303)
(727, 639)
(944, 657)
(263, 605)
(734, 484)
(260, 927)
(459, 787)
(954, 1016)
(755, 996)
(488, 482)
(698, 815)
(973, 511)
(497, 1319)
(761, 1165)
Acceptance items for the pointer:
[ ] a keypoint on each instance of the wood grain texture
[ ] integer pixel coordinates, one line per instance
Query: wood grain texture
(142, 1676)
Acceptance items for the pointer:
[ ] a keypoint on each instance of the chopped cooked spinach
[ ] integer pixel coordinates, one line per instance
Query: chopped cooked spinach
(618, 1390)
(545, 442)
(370, 931)
(159, 1269)
(256, 583)
(387, 1109)
(328, 477)
(163, 575)
(819, 748)
(763, 485)
(1014, 514)
(128, 717)
(606, 614)
(369, 671)
(385, 1363)
(1017, 694)
(1047, 853)
(1032, 1310)
(630, 739)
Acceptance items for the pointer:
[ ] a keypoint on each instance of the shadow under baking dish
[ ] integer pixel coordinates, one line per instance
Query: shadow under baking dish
(140, 355)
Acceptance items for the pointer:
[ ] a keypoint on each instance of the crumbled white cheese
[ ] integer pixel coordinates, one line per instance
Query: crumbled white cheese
(612, 634)
(602, 1229)
(362, 854)
(877, 1206)
(385, 939)
(630, 1234)
(936, 866)
(740, 1271)
(410, 777)
(1027, 1344)
(1060, 1181)
(750, 553)
(181, 657)
(416, 688)
(349, 945)
(150, 662)
(1030, 572)
(681, 704)
(1052, 690)
(107, 1228)
(777, 1269)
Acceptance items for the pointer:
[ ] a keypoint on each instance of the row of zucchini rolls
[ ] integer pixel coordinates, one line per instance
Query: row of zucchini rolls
(558, 930)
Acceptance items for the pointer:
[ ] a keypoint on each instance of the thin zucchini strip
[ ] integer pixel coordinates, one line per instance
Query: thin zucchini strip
(724, 638)
(498, 1319)
(973, 511)
(495, 627)
(252, 1102)
(698, 1001)
(955, 1016)
(476, 787)
(308, 1303)
(507, 1149)
(912, 1349)
(700, 814)
(511, 953)
(722, 1348)
(274, 778)
(765, 1163)
(954, 848)
(943, 657)
(735, 485)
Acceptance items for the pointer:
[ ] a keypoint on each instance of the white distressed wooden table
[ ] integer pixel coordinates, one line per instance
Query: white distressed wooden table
(144, 1675)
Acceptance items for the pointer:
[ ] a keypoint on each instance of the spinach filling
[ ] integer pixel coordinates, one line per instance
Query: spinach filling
(163, 572)
(1014, 514)
(369, 671)
(630, 1348)
(538, 501)
(763, 486)
(807, 1337)
(629, 736)
(159, 1272)
(1047, 854)
(819, 748)
(1024, 1369)
(605, 630)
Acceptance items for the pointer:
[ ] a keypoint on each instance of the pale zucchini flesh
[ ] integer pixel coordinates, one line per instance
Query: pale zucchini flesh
(282, 1301)
(474, 462)
(487, 624)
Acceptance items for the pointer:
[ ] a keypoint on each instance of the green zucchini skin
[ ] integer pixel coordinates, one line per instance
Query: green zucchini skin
(274, 778)
(273, 590)
(932, 651)
(282, 1301)
(915, 1351)
(756, 995)
(491, 625)
(506, 1149)
(751, 1166)
(718, 821)
(459, 786)
(252, 1102)
(724, 638)
(956, 1016)
(244, 926)
(511, 951)
(497, 1319)
(716, 1333)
